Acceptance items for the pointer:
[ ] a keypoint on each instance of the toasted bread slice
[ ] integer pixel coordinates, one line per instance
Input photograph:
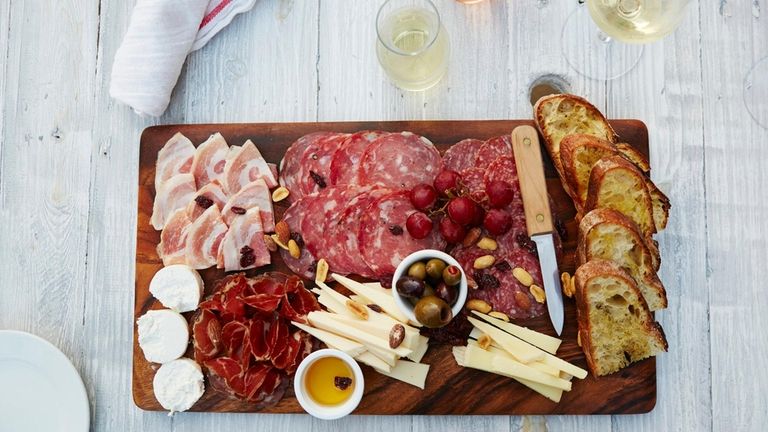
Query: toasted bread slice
(609, 235)
(615, 183)
(615, 326)
(634, 156)
(578, 154)
(661, 206)
(560, 115)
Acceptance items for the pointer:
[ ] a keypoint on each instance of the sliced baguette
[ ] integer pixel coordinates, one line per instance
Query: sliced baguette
(578, 154)
(617, 184)
(661, 206)
(634, 156)
(609, 235)
(615, 326)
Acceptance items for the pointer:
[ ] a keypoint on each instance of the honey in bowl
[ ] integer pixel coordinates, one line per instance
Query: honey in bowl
(329, 381)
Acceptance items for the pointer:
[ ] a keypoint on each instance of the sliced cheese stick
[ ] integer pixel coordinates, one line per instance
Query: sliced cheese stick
(382, 299)
(328, 321)
(337, 342)
(178, 384)
(373, 361)
(538, 365)
(506, 366)
(163, 335)
(177, 287)
(420, 350)
(382, 330)
(522, 351)
(414, 374)
(547, 343)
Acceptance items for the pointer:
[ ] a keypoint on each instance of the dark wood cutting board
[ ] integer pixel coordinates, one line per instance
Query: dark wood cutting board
(450, 389)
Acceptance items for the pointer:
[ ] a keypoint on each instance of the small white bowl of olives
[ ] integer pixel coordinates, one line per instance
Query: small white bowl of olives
(430, 287)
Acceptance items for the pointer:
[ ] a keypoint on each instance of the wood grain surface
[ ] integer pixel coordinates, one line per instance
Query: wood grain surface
(450, 389)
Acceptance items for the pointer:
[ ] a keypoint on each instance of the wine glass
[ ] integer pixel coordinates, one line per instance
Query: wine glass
(603, 40)
(755, 91)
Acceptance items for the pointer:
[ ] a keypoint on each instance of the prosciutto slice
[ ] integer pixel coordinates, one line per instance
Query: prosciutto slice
(204, 238)
(173, 194)
(174, 158)
(243, 246)
(246, 166)
(208, 195)
(254, 194)
(173, 239)
(210, 158)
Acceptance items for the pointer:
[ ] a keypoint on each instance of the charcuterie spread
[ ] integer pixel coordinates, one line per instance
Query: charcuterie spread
(379, 244)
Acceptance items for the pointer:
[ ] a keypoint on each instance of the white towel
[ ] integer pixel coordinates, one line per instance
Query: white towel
(159, 37)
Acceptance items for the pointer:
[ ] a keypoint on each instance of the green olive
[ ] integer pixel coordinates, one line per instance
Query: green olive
(435, 268)
(433, 312)
(451, 275)
(418, 270)
(411, 287)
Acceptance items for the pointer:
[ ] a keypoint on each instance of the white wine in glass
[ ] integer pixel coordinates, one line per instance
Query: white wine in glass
(637, 21)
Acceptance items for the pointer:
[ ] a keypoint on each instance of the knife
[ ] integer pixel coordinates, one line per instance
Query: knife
(538, 218)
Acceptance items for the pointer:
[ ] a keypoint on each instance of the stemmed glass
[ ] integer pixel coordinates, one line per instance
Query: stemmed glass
(755, 91)
(603, 40)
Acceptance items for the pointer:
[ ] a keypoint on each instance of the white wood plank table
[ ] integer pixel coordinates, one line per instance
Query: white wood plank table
(68, 161)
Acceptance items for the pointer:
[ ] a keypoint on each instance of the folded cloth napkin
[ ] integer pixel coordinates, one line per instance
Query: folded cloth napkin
(159, 37)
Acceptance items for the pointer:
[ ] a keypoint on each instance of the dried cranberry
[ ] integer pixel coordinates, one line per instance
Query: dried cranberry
(203, 201)
(485, 280)
(561, 230)
(502, 266)
(526, 243)
(238, 210)
(342, 383)
(298, 239)
(318, 179)
(247, 258)
(396, 230)
(374, 307)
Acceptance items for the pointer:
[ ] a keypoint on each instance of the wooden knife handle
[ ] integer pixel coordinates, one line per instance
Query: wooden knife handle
(530, 170)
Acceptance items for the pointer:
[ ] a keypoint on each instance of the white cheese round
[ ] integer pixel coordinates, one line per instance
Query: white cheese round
(178, 287)
(178, 384)
(163, 335)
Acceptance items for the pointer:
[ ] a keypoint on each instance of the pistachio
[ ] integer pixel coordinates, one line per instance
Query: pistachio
(280, 194)
(472, 236)
(283, 231)
(396, 336)
(271, 245)
(538, 293)
(522, 276)
(322, 270)
(358, 309)
(484, 341)
(487, 243)
(484, 262)
(499, 315)
(478, 305)
(293, 249)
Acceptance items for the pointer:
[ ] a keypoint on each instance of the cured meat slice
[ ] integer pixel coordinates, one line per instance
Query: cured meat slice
(472, 180)
(291, 167)
(174, 158)
(277, 338)
(253, 379)
(272, 389)
(493, 148)
(304, 265)
(209, 161)
(254, 194)
(462, 155)
(292, 347)
(206, 196)
(263, 302)
(324, 210)
(273, 170)
(204, 238)
(382, 237)
(316, 163)
(173, 239)
(233, 337)
(268, 284)
(173, 194)
(504, 169)
(245, 166)
(258, 340)
(243, 246)
(226, 376)
(206, 335)
(298, 304)
(347, 158)
(307, 346)
(400, 161)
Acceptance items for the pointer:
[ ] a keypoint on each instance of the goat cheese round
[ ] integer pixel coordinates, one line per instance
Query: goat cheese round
(163, 335)
(178, 384)
(178, 287)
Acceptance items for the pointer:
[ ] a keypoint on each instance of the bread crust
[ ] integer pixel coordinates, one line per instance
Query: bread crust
(634, 156)
(569, 147)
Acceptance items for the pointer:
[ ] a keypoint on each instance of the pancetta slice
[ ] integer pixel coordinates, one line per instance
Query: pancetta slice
(174, 158)
(210, 158)
(204, 238)
(243, 246)
(173, 239)
(254, 194)
(173, 194)
(245, 167)
(208, 195)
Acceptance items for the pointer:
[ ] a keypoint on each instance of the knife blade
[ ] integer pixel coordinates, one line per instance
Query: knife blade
(538, 217)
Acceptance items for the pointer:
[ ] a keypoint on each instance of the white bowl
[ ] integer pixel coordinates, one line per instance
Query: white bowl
(423, 255)
(328, 412)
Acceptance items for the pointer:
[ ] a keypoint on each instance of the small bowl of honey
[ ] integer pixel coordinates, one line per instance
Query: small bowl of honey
(329, 384)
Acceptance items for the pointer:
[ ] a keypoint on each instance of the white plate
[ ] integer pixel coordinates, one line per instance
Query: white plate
(41, 390)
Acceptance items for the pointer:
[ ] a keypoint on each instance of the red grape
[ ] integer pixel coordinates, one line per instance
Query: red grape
(419, 225)
(500, 193)
(423, 196)
(451, 231)
(462, 210)
(447, 180)
(497, 221)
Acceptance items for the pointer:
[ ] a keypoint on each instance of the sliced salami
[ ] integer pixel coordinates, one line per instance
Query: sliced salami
(400, 161)
(382, 237)
(315, 172)
(462, 155)
(504, 169)
(303, 266)
(473, 181)
(290, 165)
(493, 148)
(346, 160)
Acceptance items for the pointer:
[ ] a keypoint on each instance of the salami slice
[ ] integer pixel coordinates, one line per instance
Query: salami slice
(304, 265)
(346, 160)
(492, 149)
(383, 239)
(400, 161)
(290, 165)
(504, 169)
(462, 154)
(315, 172)
(473, 181)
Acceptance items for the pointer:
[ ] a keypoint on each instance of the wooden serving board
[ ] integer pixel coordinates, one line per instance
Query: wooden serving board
(450, 389)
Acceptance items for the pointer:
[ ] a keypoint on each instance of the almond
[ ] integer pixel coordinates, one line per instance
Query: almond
(538, 293)
(478, 305)
(280, 194)
(484, 341)
(283, 231)
(293, 249)
(522, 276)
(396, 336)
(484, 262)
(487, 243)
(278, 242)
(472, 236)
(358, 309)
(499, 315)
(322, 270)
(522, 300)
(271, 245)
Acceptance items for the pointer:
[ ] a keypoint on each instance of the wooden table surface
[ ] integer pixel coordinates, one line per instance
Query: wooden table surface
(68, 164)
